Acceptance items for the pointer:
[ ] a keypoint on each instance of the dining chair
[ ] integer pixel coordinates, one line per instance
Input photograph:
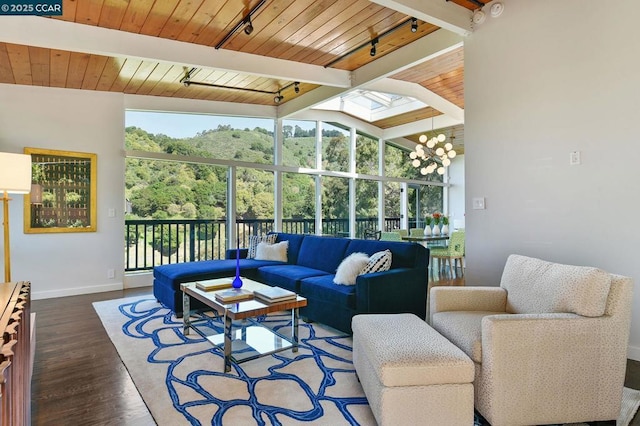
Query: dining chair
(372, 234)
(450, 254)
(416, 232)
(390, 236)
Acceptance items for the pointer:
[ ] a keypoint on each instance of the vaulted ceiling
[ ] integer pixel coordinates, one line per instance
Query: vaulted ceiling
(307, 51)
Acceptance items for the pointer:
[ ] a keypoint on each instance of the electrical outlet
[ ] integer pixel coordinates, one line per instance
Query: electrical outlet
(111, 274)
(111, 212)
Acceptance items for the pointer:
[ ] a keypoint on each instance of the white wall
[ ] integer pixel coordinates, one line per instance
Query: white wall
(456, 200)
(544, 79)
(84, 121)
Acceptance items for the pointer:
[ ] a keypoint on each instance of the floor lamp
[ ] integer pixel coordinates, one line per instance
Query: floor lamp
(15, 178)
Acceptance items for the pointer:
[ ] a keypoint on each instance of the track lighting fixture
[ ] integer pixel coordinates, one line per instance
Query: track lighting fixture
(244, 22)
(186, 81)
(374, 41)
(248, 28)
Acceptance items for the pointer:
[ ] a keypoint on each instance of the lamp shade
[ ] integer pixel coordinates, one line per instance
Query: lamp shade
(15, 173)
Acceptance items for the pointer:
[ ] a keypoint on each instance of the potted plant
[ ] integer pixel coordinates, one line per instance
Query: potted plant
(436, 221)
(427, 225)
(445, 225)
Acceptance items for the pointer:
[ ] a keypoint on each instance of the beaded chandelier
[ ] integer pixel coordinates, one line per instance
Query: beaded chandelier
(432, 154)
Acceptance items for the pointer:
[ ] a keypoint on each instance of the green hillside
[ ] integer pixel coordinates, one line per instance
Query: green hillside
(164, 189)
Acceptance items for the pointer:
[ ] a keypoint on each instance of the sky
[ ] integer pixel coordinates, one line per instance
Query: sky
(186, 125)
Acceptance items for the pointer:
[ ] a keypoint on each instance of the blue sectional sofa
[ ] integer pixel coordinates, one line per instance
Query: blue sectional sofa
(309, 271)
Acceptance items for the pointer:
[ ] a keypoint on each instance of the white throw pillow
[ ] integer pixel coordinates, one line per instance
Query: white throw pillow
(254, 240)
(278, 251)
(350, 268)
(380, 261)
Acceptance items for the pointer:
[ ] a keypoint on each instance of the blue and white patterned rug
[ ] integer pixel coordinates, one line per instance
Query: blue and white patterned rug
(180, 377)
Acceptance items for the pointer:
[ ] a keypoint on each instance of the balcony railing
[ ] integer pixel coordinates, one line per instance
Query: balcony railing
(150, 243)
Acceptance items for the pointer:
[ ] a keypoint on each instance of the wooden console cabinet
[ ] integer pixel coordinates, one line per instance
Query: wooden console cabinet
(16, 356)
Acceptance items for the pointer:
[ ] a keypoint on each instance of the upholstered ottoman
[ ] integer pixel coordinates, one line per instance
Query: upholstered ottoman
(410, 373)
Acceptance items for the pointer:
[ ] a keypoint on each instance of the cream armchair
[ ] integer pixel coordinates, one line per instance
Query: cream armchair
(549, 345)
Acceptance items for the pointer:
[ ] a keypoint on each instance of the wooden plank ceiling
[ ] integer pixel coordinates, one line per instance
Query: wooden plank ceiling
(316, 32)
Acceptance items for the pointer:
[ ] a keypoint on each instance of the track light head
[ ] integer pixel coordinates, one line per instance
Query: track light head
(248, 28)
(296, 87)
(414, 25)
(372, 52)
(278, 98)
(186, 80)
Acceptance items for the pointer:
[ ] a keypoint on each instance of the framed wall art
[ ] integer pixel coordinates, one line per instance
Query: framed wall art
(63, 192)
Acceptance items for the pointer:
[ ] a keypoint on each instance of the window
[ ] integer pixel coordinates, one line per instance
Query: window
(423, 200)
(397, 164)
(254, 202)
(335, 206)
(367, 155)
(175, 212)
(366, 206)
(392, 203)
(298, 203)
(335, 148)
(299, 143)
(177, 201)
(206, 136)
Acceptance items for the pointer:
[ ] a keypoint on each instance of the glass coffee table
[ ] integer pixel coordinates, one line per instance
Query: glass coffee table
(244, 338)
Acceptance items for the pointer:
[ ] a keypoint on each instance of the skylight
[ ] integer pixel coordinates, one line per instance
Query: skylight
(372, 106)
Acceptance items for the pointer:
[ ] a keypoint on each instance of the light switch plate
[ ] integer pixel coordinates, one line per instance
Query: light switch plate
(478, 203)
(574, 158)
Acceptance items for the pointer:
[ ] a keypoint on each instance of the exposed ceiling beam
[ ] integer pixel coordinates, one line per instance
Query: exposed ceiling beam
(420, 126)
(196, 106)
(444, 14)
(308, 100)
(63, 35)
(414, 90)
(339, 117)
(402, 142)
(421, 50)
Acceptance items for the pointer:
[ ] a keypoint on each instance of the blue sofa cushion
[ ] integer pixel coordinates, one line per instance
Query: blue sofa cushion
(295, 240)
(403, 255)
(286, 276)
(323, 288)
(322, 253)
(177, 273)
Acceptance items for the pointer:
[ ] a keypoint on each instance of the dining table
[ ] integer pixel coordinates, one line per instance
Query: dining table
(426, 239)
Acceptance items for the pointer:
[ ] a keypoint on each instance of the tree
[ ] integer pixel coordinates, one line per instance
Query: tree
(167, 242)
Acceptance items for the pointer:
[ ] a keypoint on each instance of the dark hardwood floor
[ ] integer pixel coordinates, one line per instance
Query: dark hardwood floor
(78, 378)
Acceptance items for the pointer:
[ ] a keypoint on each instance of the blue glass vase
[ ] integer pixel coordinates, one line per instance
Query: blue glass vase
(237, 281)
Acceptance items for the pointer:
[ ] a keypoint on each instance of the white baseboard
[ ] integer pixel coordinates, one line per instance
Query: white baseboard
(633, 352)
(138, 279)
(36, 295)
